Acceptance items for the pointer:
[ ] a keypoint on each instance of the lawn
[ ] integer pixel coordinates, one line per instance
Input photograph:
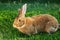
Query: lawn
(9, 11)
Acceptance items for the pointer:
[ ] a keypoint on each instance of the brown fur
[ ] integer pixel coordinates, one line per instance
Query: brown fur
(44, 22)
(35, 24)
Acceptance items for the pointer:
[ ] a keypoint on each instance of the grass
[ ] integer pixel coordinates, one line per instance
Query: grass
(9, 11)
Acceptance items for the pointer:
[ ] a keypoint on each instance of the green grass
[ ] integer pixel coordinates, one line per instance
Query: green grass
(9, 11)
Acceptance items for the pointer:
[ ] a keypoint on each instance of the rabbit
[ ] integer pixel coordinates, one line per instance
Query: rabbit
(32, 25)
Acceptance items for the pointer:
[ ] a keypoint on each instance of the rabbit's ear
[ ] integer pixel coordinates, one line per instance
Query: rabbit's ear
(24, 7)
(22, 11)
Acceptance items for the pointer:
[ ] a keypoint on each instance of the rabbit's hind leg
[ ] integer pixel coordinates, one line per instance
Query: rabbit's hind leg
(48, 28)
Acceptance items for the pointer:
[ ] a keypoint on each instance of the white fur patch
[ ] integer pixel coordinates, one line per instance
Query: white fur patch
(53, 29)
(14, 26)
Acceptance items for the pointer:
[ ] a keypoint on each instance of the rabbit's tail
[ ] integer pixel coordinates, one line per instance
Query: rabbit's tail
(59, 26)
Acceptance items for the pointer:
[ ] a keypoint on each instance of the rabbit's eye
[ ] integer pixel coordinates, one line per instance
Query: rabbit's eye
(19, 20)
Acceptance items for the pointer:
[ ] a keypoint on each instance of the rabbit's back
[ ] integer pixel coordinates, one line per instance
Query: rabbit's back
(40, 21)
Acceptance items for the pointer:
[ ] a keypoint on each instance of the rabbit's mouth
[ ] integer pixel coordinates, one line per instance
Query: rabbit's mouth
(17, 26)
(14, 26)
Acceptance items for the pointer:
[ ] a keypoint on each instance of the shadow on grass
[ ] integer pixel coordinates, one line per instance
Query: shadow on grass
(22, 35)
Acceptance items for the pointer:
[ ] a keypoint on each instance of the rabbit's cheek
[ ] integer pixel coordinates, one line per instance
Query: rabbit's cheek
(21, 24)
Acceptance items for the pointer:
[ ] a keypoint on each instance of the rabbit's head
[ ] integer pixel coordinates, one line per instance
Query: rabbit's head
(20, 19)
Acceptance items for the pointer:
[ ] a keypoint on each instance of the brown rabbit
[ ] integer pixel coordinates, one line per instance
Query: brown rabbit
(35, 24)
